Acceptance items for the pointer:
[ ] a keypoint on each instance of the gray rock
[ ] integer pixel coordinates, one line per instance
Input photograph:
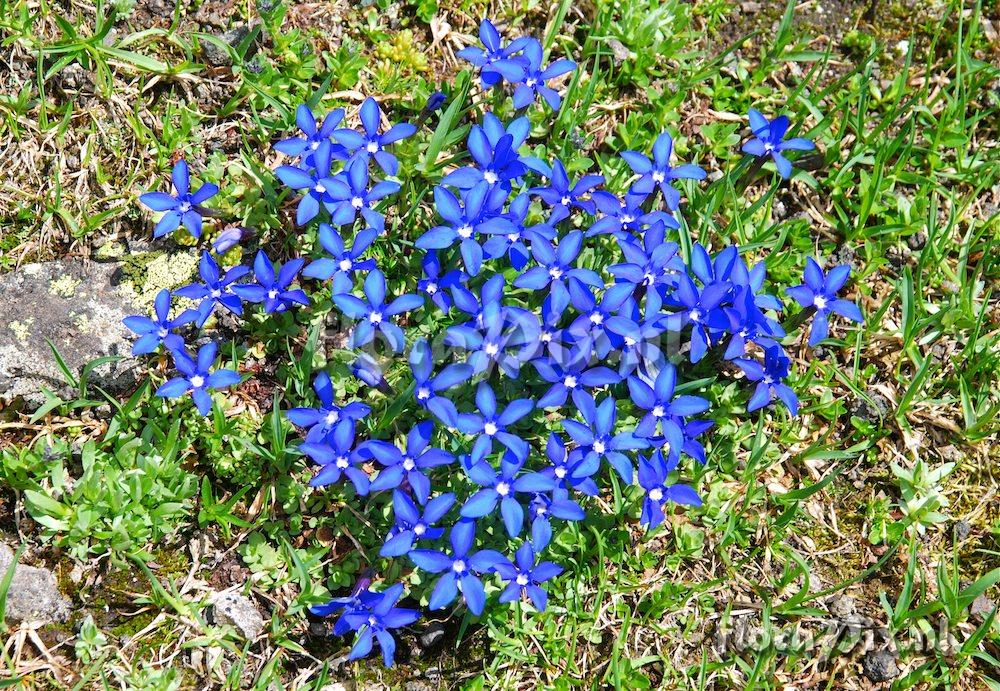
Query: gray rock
(432, 635)
(879, 666)
(843, 607)
(217, 56)
(33, 594)
(962, 530)
(981, 608)
(239, 611)
(873, 411)
(76, 306)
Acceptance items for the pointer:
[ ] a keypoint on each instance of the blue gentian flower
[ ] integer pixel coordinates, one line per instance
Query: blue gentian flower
(503, 487)
(182, 209)
(434, 102)
(562, 196)
(478, 212)
(659, 173)
(367, 370)
(654, 265)
(547, 505)
(570, 470)
(820, 292)
(228, 239)
(641, 336)
(351, 196)
(427, 387)
(491, 423)
(217, 288)
(409, 465)
(339, 457)
(342, 262)
(505, 337)
(321, 421)
(152, 333)
(663, 409)
(360, 601)
(768, 141)
(526, 71)
(625, 218)
(551, 334)
(524, 577)
(412, 524)
(596, 435)
(592, 324)
(653, 477)
(376, 623)
(518, 129)
(196, 377)
(436, 285)
(556, 266)
(461, 568)
(510, 241)
(570, 371)
(497, 163)
(374, 315)
(492, 51)
(305, 147)
(700, 309)
(271, 288)
(748, 324)
(369, 142)
(316, 179)
(770, 380)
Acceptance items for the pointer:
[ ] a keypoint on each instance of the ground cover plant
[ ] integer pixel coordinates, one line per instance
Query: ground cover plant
(557, 348)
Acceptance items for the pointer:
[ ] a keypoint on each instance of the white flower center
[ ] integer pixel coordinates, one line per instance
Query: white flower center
(491, 349)
(375, 317)
(162, 333)
(372, 147)
(545, 337)
(423, 393)
(342, 462)
(314, 145)
(522, 579)
(513, 237)
(320, 188)
(464, 231)
(649, 278)
(419, 529)
(197, 381)
(599, 446)
(332, 417)
(695, 314)
(530, 82)
(184, 207)
(629, 341)
(346, 264)
(490, 177)
(560, 472)
(272, 294)
(658, 176)
(372, 621)
(768, 379)
(565, 201)
(490, 428)
(503, 489)
(656, 494)
(570, 381)
(458, 566)
(432, 288)
(216, 293)
(555, 272)
(357, 202)
(658, 411)
(627, 218)
(820, 302)
(596, 318)
(408, 464)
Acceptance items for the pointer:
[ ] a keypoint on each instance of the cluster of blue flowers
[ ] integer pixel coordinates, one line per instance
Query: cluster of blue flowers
(599, 341)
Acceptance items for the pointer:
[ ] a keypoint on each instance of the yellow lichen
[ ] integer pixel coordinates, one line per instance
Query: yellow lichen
(64, 286)
(22, 329)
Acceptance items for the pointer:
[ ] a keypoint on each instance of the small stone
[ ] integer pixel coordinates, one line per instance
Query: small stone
(619, 52)
(879, 666)
(432, 635)
(917, 240)
(75, 305)
(843, 607)
(239, 611)
(981, 608)
(871, 411)
(962, 530)
(33, 595)
(217, 56)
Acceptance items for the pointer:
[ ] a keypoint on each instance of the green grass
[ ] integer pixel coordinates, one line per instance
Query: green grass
(798, 511)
